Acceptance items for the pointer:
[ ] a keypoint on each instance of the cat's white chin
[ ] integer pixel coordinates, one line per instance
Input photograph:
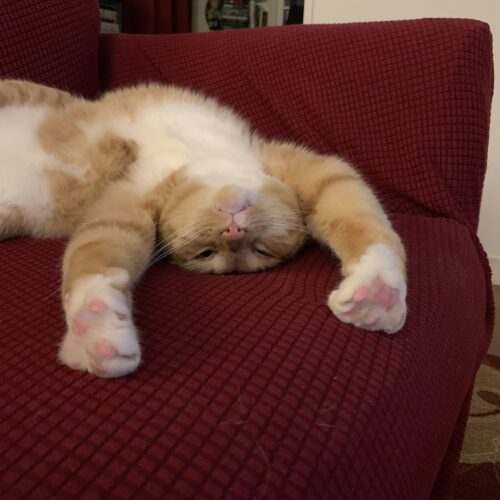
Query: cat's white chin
(101, 337)
(373, 295)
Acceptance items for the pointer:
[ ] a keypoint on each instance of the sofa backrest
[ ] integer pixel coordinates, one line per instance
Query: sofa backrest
(54, 42)
(408, 102)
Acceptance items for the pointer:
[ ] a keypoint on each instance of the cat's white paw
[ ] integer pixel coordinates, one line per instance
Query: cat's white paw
(101, 337)
(373, 295)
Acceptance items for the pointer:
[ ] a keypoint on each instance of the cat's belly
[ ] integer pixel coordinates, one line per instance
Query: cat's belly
(159, 156)
(24, 184)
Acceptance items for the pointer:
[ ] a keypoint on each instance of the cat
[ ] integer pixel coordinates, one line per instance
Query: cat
(155, 170)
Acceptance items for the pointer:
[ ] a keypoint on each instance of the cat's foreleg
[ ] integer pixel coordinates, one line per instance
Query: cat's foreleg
(106, 255)
(343, 213)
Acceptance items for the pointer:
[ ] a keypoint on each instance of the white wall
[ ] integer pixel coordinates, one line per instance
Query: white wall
(341, 11)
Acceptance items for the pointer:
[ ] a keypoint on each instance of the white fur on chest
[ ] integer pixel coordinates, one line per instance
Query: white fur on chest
(23, 162)
(215, 149)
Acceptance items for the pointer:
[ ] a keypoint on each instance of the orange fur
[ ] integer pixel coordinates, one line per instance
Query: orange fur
(340, 208)
(19, 92)
(118, 231)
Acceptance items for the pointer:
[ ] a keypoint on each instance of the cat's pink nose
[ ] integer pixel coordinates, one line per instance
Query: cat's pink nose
(233, 232)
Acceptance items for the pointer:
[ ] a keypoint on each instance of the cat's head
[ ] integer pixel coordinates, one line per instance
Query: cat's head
(230, 227)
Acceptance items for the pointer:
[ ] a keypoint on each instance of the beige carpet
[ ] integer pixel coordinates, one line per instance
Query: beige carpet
(478, 475)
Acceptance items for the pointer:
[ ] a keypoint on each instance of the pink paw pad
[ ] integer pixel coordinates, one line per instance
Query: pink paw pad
(96, 306)
(361, 294)
(386, 297)
(79, 327)
(105, 350)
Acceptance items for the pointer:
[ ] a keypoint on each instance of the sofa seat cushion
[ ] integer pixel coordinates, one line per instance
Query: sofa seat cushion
(249, 387)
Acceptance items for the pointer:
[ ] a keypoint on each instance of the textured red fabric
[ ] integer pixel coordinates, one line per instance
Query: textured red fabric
(250, 387)
(52, 42)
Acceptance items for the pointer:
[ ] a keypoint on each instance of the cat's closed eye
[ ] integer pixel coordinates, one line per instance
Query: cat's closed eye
(264, 252)
(205, 254)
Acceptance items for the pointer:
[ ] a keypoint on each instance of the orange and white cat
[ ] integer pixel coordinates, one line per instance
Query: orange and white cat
(158, 170)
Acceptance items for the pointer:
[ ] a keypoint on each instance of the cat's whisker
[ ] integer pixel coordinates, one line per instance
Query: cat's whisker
(158, 247)
(158, 254)
(159, 242)
(185, 242)
(56, 290)
(157, 258)
(290, 212)
(279, 218)
(284, 220)
(186, 233)
(168, 249)
(186, 227)
(276, 225)
(287, 227)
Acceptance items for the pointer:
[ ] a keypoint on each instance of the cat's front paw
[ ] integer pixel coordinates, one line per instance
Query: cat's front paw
(373, 295)
(101, 337)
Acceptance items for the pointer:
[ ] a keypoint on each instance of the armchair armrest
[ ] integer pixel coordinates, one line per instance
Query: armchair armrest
(407, 101)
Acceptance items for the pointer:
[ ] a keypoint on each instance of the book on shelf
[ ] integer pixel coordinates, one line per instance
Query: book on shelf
(235, 14)
(210, 15)
(107, 27)
(108, 15)
(111, 16)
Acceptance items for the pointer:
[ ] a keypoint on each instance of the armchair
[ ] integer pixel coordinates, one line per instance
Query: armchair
(250, 387)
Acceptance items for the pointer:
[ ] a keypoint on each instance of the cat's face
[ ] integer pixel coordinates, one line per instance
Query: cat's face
(231, 228)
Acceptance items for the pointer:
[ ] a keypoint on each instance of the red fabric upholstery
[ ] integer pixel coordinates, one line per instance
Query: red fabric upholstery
(250, 387)
(52, 42)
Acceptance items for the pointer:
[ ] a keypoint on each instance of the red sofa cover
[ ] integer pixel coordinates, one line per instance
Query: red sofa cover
(250, 387)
